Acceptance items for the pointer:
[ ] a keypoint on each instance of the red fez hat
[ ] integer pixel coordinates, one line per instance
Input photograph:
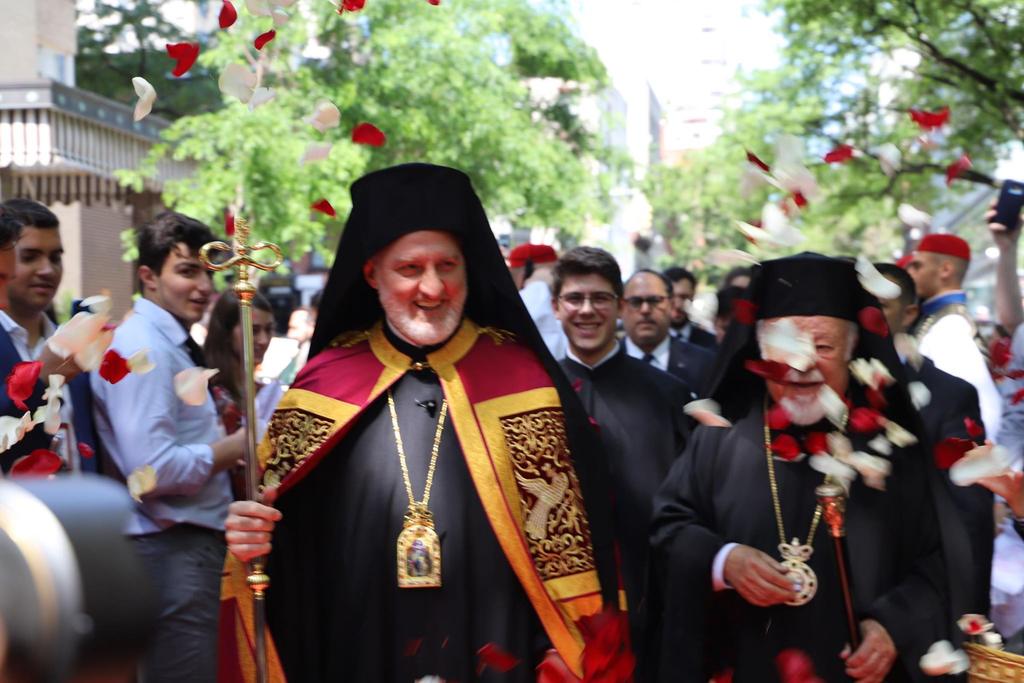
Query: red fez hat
(947, 245)
(538, 253)
(904, 261)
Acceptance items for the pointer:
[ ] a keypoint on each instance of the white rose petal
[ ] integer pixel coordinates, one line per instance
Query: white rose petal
(261, 96)
(983, 461)
(324, 116)
(839, 445)
(941, 659)
(752, 179)
(90, 357)
(706, 412)
(730, 257)
(316, 151)
(835, 407)
(890, 158)
(259, 8)
(99, 304)
(147, 96)
(906, 346)
(13, 429)
(873, 469)
(141, 481)
(237, 81)
(920, 395)
(831, 467)
(76, 334)
(782, 341)
(880, 445)
(139, 362)
(913, 217)
(190, 385)
(871, 372)
(899, 436)
(280, 17)
(874, 282)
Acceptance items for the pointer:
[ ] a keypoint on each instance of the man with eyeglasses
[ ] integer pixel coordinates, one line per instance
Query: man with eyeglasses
(646, 314)
(684, 288)
(638, 410)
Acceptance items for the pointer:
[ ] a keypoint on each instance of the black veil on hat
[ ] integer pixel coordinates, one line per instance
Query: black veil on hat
(393, 202)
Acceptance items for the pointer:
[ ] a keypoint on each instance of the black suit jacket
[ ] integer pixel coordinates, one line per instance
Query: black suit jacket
(690, 363)
(81, 401)
(702, 338)
(952, 400)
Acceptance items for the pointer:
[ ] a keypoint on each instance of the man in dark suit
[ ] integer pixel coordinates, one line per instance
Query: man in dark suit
(24, 330)
(645, 316)
(952, 402)
(684, 288)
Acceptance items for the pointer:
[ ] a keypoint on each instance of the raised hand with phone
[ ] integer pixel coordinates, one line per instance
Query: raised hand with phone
(1004, 221)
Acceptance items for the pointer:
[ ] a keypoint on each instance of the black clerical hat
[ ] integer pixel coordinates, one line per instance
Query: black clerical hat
(808, 284)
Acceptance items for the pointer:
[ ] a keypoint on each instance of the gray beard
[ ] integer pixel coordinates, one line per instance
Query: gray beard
(421, 332)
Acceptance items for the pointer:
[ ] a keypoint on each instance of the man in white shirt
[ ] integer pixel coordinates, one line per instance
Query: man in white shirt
(531, 268)
(26, 327)
(945, 331)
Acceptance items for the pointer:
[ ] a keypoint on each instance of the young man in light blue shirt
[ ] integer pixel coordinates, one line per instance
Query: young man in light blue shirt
(178, 527)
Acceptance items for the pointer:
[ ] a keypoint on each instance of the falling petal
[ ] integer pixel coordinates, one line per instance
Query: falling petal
(782, 341)
(840, 154)
(147, 96)
(141, 481)
(316, 151)
(890, 158)
(39, 463)
(744, 311)
(730, 257)
(836, 409)
(865, 420)
(86, 451)
(829, 466)
(942, 660)
(90, 357)
(493, 656)
(873, 469)
(324, 206)
(280, 17)
(228, 14)
(264, 38)
(1001, 351)
(351, 5)
(913, 217)
(114, 367)
(880, 445)
(368, 134)
(974, 624)
(929, 120)
(237, 81)
(785, 447)
(707, 412)
(99, 304)
(957, 168)
(752, 179)
(259, 8)
(873, 320)
(13, 429)
(898, 435)
(21, 382)
(874, 282)
(871, 372)
(139, 362)
(766, 369)
(324, 116)
(190, 385)
(261, 96)
(756, 161)
(906, 347)
(184, 54)
(983, 461)
(920, 395)
(974, 430)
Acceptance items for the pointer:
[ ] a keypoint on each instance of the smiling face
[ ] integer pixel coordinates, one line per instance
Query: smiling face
(421, 281)
(182, 287)
(588, 310)
(799, 391)
(38, 271)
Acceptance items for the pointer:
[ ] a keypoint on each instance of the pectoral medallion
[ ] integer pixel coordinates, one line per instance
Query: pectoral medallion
(794, 558)
(419, 551)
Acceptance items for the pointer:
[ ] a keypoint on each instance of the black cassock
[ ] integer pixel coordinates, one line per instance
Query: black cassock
(718, 492)
(334, 608)
(639, 414)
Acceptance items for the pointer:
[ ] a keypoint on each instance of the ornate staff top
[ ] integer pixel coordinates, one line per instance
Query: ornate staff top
(241, 258)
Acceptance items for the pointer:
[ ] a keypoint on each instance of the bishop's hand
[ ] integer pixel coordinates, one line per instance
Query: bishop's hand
(250, 525)
(875, 656)
(758, 578)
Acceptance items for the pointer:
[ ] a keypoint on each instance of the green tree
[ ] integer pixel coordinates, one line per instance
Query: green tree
(452, 84)
(849, 74)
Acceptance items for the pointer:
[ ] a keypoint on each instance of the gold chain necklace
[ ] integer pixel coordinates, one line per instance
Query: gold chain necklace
(419, 547)
(795, 555)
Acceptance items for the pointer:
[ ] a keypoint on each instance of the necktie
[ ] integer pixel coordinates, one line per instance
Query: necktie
(195, 352)
(648, 358)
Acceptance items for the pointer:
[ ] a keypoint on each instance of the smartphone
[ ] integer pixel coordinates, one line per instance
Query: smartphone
(1011, 199)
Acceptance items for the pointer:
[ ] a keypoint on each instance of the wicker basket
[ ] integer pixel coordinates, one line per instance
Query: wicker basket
(993, 666)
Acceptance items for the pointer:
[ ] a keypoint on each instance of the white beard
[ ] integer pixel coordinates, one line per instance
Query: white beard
(805, 410)
(422, 328)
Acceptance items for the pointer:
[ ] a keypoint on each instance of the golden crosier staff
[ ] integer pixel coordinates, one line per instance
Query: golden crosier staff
(240, 258)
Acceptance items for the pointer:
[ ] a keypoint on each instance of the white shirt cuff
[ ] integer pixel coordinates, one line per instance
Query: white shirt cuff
(718, 568)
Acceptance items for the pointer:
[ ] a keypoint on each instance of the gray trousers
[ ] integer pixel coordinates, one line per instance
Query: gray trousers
(185, 563)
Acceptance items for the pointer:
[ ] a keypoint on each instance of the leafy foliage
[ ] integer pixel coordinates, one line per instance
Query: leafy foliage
(453, 84)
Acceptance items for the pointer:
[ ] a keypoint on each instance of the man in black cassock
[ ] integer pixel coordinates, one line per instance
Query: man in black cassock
(637, 409)
(425, 376)
(741, 496)
(951, 402)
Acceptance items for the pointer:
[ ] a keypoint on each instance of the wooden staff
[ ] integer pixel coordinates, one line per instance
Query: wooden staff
(239, 257)
(832, 498)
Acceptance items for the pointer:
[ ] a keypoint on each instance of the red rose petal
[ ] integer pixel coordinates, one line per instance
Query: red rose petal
(1000, 351)
(866, 420)
(974, 429)
(435, 3)
(412, 647)
(873, 320)
(606, 652)
(1017, 397)
(228, 14)
(722, 677)
(876, 398)
(264, 38)
(39, 463)
(490, 655)
(955, 169)
(795, 666)
(948, 451)
(930, 120)
(744, 311)
(229, 223)
(767, 369)
(114, 367)
(368, 134)
(799, 199)
(839, 155)
(777, 417)
(785, 446)
(577, 384)
(21, 382)
(816, 442)
(1015, 374)
(86, 451)
(184, 54)
(351, 6)
(753, 158)
(324, 206)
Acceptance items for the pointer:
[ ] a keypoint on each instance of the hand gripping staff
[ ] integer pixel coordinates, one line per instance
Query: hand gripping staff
(240, 259)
